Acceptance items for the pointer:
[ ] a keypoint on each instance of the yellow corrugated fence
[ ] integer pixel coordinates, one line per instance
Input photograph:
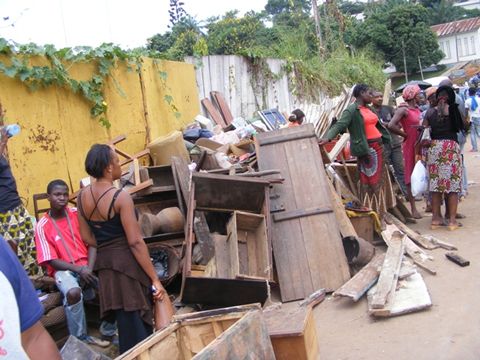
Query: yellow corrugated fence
(57, 129)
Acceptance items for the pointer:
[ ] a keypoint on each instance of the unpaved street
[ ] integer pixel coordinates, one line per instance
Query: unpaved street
(449, 330)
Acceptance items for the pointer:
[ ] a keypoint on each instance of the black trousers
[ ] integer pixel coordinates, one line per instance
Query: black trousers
(131, 329)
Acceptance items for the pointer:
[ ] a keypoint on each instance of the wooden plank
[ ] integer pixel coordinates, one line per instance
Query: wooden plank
(223, 292)
(419, 239)
(358, 285)
(222, 106)
(313, 299)
(344, 223)
(213, 112)
(217, 312)
(229, 192)
(387, 281)
(457, 259)
(418, 255)
(412, 295)
(337, 149)
(141, 186)
(293, 333)
(246, 339)
(315, 259)
(441, 243)
(295, 214)
(204, 239)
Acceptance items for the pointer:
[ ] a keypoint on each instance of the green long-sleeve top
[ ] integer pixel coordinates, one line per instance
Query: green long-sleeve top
(352, 120)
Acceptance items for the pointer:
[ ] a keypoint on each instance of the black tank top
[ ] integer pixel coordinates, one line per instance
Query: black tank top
(442, 128)
(108, 229)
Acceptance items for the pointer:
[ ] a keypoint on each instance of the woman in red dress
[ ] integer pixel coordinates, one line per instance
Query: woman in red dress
(405, 122)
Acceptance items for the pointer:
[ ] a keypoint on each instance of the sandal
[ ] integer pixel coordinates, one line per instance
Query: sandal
(437, 226)
(455, 226)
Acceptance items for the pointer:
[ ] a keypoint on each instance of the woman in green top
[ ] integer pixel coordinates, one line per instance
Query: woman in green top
(367, 136)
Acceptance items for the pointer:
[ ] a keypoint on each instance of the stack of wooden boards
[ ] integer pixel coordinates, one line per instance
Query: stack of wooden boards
(393, 283)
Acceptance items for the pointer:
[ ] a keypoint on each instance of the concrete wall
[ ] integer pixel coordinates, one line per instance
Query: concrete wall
(460, 47)
(57, 129)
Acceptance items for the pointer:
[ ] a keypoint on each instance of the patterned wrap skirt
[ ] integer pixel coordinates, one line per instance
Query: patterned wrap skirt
(375, 188)
(444, 164)
(16, 226)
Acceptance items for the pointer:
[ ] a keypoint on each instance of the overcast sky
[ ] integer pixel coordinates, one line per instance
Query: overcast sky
(92, 22)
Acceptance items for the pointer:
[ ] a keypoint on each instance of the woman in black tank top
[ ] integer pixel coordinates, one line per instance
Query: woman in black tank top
(126, 274)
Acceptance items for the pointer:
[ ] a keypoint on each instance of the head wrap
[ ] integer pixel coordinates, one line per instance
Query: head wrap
(410, 92)
(430, 91)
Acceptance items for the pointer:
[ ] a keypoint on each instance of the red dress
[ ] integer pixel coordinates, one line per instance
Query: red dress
(410, 124)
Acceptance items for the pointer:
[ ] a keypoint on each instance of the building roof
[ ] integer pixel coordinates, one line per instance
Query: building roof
(457, 27)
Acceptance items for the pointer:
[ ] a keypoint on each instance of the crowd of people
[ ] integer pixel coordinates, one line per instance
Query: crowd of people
(381, 136)
(97, 251)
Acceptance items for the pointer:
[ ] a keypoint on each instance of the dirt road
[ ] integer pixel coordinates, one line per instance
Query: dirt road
(449, 330)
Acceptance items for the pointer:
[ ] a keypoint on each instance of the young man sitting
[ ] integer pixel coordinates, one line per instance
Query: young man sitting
(66, 257)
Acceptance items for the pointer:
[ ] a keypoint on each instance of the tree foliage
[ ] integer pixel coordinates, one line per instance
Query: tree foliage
(394, 27)
(443, 11)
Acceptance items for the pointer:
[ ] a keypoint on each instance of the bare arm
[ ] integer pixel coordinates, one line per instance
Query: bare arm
(86, 233)
(394, 124)
(3, 140)
(136, 243)
(38, 344)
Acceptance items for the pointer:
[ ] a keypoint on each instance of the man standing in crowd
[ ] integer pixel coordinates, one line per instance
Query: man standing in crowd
(393, 151)
(472, 105)
(61, 250)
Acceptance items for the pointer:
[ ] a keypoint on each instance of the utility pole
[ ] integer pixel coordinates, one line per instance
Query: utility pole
(420, 65)
(316, 16)
(404, 61)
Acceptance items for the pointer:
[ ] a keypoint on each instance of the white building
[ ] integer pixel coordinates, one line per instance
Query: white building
(469, 5)
(459, 40)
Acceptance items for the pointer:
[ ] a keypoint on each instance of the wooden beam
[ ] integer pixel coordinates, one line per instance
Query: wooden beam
(419, 239)
(387, 281)
(419, 257)
(358, 285)
(337, 149)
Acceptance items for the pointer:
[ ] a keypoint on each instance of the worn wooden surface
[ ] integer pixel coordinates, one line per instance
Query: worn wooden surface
(308, 251)
(358, 285)
(344, 223)
(387, 281)
(228, 193)
(293, 333)
(213, 112)
(222, 106)
(246, 339)
(248, 235)
(208, 335)
(410, 296)
(417, 238)
(418, 255)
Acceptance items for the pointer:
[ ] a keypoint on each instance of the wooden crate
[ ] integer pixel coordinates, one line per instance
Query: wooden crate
(364, 227)
(247, 234)
(293, 333)
(202, 336)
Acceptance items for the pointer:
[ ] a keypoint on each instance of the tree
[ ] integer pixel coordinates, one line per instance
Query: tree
(391, 28)
(276, 7)
(177, 12)
(243, 36)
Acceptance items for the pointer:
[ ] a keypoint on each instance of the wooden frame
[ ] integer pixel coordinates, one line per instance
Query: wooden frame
(222, 193)
(273, 119)
(201, 336)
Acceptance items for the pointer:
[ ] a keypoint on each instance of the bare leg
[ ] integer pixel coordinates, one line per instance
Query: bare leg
(411, 200)
(452, 200)
(436, 212)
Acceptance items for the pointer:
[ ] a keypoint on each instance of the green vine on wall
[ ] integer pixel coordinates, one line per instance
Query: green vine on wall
(20, 59)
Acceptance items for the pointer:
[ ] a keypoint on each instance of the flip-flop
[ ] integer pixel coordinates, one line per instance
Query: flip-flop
(437, 226)
(460, 216)
(455, 227)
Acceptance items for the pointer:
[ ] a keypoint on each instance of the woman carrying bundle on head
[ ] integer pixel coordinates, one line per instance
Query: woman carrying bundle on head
(296, 118)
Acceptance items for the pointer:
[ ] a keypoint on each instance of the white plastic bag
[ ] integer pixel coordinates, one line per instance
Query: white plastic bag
(419, 179)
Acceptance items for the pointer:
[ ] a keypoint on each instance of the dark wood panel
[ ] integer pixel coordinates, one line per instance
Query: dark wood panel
(308, 251)
(223, 292)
